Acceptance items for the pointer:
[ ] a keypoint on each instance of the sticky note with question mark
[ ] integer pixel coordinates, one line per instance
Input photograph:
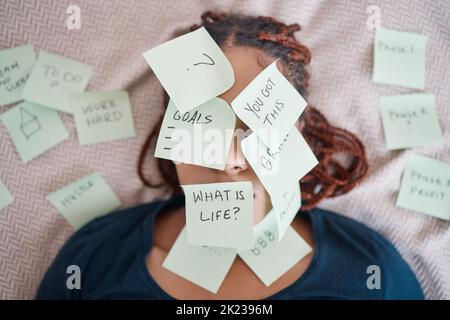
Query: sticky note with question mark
(192, 69)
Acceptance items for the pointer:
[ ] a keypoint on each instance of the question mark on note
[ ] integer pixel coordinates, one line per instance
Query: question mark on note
(210, 62)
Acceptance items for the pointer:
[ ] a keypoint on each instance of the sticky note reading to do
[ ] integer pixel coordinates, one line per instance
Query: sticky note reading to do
(85, 199)
(205, 266)
(6, 197)
(269, 105)
(201, 136)
(102, 116)
(399, 58)
(192, 68)
(410, 120)
(53, 78)
(15, 67)
(425, 187)
(34, 129)
(220, 214)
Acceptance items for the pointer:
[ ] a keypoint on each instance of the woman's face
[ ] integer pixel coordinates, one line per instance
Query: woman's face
(247, 64)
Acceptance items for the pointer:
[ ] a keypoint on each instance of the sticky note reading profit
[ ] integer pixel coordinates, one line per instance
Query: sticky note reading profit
(220, 214)
(102, 116)
(205, 266)
(34, 129)
(399, 58)
(192, 68)
(53, 78)
(269, 105)
(201, 136)
(425, 187)
(85, 199)
(15, 67)
(410, 120)
(6, 198)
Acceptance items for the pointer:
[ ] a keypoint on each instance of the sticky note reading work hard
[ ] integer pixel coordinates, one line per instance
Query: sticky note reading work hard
(410, 121)
(191, 68)
(425, 187)
(6, 197)
(15, 67)
(220, 214)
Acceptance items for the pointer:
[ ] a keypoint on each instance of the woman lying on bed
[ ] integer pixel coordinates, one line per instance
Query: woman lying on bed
(120, 255)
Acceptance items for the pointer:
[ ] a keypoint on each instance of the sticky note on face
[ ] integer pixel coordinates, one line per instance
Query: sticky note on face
(270, 106)
(6, 197)
(425, 187)
(102, 116)
(85, 199)
(53, 78)
(201, 136)
(205, 266)
(281, 167)
(410, 120)
(220, 214)
(285, 209)
(399, 58)
(191, 68)
(34, 129)
(15, 67)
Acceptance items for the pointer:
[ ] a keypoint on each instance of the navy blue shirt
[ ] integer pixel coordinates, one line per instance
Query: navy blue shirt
(111, 253)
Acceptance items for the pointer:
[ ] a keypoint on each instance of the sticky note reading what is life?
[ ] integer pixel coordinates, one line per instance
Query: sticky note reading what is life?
(201, 136)
(205, 266)
(15, 67)
(53, 78)
(410, 120)
(102, 116)
(269, 105)
(191, 68)
(6, 198)
(425, 187)
(34, 129)
(85, 199)
(220, 214)
(399, 58)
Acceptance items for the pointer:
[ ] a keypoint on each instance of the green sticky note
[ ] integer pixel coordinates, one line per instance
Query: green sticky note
(53, 78)
(102, 116)
(6, 197)
(85, 199)
(426, 187)
(410, 120)
(399, 58)
(34, 129)
(15, 67)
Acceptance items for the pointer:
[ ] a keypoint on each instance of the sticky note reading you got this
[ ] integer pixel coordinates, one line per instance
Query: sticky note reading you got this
(6, 197)
(192, 68)
(410, 120)
(220, 214)
(53, 78)
(426, 187)
(399, 58)
(85, 199)
(15, 67)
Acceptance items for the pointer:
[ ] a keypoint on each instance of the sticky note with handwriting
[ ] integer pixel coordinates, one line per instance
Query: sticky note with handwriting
(399, 58)
(425, 187)
(6, 198)
(410, 120)
(286, 208)
(34, 129)
(15, 67)
(85, 199)
(220, 214)
(205, 266)
(192, 69)
(53, 78)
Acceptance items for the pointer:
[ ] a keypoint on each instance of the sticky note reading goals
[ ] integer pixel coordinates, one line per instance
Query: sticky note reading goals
(220, 214)
(192, 68)
(201, 136)
(53, 78)
(425, 187)
(269, 105)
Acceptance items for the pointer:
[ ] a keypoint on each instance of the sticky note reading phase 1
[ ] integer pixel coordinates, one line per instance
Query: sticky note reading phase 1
(53, 78)
(191, 68)
(15, 67)
(425, 187)
(6, 197)
(220, 214)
